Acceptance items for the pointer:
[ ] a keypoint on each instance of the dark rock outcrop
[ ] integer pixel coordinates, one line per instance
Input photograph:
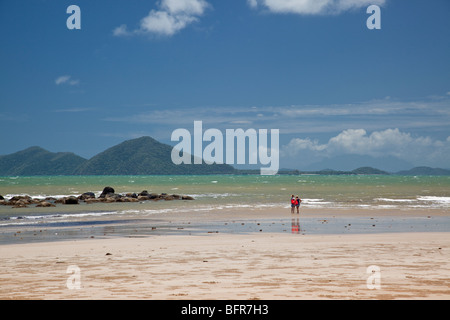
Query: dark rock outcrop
(45, 204)
(71, 200)
(106, 191)
(108, 195)
(87, 195)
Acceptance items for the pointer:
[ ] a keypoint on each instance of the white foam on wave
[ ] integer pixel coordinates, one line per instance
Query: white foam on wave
(394, 200)
(316, 203)
(214, 195)
(43, 196)
(88, 214)
(418, 202)
(435, 199)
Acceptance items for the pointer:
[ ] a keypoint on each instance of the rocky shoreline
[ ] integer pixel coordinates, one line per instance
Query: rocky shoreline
(108, 195)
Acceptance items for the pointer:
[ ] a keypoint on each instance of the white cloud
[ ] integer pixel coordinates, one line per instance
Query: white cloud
(298, 145)
(62, 79)
(188, 7)
(389, 142)
(356, 141)
(171, 17)
(252, 3)
(121, 31)
(66, 80)
(312, 7)
(164, 23)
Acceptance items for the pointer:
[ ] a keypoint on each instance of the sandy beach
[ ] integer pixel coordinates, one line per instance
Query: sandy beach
(221, 265)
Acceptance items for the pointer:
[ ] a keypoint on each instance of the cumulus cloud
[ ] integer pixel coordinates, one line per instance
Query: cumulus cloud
(389, 142)
(170, 17)
(66, 80)
(357, 141)
(311, 7)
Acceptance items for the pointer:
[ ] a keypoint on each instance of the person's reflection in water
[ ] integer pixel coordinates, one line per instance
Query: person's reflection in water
(295, 225)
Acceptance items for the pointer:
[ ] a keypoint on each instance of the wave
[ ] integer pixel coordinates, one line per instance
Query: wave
(435, 199)
(394, 200)
(418, 202)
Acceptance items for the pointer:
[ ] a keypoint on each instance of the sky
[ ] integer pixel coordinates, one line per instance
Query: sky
(334, 88)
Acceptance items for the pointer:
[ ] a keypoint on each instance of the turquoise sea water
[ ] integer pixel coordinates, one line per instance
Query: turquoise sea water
(316, 190)
(218, 192)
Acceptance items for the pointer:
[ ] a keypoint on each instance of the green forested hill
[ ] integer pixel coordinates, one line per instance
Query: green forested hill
(38, 161)
(143, 156)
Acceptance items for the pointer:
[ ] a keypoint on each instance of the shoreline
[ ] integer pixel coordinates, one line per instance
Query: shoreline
(232, 221)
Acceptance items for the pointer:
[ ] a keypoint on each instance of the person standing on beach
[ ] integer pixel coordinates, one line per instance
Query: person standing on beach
(297, 203)
(292, 203)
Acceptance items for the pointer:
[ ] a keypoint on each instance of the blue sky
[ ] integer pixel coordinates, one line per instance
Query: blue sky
(311, 69)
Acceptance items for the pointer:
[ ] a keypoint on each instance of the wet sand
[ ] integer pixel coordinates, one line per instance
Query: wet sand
(258, 264)
(310, 221)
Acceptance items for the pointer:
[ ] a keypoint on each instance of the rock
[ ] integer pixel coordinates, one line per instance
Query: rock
(45, 204)
(105, 191)
(20, 201)
(23, 199)
(71, 200)
(87, 195)
(108, 195)
(144, 193)
(113, 196)
(132, 195)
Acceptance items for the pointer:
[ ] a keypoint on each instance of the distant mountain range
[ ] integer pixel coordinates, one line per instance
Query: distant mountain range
(143, 156)
(348, 162)
(418, 171)
(425, 171)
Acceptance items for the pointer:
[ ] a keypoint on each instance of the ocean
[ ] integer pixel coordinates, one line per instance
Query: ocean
(215, 193)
